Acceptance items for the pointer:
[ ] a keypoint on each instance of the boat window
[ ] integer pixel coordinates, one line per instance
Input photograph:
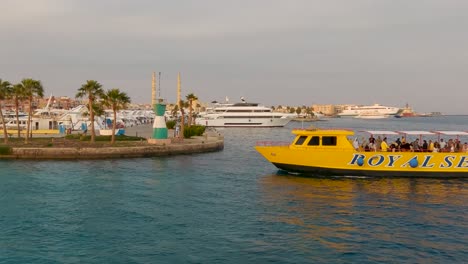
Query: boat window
(328, 141)
(301, 140)
(314, 141)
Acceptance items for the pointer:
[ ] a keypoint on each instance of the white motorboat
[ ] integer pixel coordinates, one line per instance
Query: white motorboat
(242, 114)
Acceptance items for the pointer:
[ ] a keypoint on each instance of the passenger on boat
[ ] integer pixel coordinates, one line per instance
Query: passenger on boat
(356, 144)
(436, 147)
(424, 146)
(398, 142)
(458, 146)
(405, 146)
(378, 143)
(431, 146)
(450, 145)
(383, 145)
(415, 145)
(364, 145)
(442, 144)
(372, 143)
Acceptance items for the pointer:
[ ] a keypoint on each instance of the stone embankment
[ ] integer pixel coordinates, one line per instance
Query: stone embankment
(208, 143)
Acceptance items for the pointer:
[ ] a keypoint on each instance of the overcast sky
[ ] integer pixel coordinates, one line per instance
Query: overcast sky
(273, 52)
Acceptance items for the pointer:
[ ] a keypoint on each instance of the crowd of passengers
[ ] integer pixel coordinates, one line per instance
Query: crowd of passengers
(379, 144)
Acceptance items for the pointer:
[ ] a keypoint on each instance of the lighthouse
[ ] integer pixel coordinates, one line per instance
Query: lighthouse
(159, 125)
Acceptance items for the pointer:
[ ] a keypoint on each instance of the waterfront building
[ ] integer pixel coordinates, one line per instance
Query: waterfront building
(326, 109)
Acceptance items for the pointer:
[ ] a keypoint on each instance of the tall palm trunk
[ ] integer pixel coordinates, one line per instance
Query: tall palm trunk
(17, 118)
(91, 115)
(5, 134)
(114, 125)
(28, 125)
(190, 113)
(182, 122)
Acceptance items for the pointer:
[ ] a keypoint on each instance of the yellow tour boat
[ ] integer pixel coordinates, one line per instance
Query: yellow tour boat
(332, 152)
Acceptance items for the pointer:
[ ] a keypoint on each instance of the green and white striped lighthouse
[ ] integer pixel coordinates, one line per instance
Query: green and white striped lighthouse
(159, 107)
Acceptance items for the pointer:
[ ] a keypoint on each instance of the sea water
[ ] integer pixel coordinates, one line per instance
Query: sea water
(230, 207)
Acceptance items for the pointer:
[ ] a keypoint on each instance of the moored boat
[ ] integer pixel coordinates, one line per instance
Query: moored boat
(243, 114)
(331, 152)
(355, 110)
(371, 115)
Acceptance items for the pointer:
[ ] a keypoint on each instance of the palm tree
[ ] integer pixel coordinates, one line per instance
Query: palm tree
(183, 104)
(19, 94)
(32, 88)
(174, 111)
(190, 98)
(195, 114)
(298, 111)
(5, 91)
(91, 89)
(117, 100)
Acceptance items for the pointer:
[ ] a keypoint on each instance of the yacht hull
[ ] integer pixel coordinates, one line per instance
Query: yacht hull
(243, 122)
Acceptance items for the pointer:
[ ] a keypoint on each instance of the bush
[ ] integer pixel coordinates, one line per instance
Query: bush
(5, 150)
(73, 136)
(194, 130)
(170, 124)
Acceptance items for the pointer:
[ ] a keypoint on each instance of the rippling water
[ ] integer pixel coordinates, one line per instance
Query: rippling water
(229, 207)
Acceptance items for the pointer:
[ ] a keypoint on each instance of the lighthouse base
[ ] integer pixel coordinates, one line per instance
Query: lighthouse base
(155, 141)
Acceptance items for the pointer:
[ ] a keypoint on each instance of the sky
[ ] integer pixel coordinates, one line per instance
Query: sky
(273, 52)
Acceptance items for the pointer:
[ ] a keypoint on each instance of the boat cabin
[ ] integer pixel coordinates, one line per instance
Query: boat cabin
(397, 141)
(319, 138)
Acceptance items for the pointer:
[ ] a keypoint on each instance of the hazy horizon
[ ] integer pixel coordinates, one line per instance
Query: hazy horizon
(390, 52)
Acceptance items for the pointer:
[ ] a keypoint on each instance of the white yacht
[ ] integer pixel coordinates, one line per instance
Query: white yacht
(356, 110)
(242, 114)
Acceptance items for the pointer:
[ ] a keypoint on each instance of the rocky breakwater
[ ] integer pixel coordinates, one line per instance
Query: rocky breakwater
(133, 150)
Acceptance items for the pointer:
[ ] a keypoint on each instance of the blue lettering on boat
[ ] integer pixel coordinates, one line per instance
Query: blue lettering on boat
(355, 158)
(425, 164)
(392, 160)
(408, 162)
(463, 162)
(379, 158)
(449, 162)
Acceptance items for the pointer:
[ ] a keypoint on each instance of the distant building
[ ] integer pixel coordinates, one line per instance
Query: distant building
(327, 109)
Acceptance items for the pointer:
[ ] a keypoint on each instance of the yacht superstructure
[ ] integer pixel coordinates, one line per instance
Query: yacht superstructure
(355, 110)
(242, 114)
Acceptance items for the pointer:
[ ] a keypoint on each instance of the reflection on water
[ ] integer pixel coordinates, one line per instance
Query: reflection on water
(371, 216)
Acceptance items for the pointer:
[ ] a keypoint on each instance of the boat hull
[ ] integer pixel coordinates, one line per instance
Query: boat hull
(372, 116)
(309, 170)
(244, 122)
(375, 164)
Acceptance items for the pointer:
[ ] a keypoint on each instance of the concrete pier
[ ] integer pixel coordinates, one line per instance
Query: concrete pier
(210, 142)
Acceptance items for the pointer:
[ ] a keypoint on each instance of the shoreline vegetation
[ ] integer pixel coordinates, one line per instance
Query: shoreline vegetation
(20, 144)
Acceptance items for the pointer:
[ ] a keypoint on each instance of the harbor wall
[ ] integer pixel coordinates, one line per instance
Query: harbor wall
(200, 146)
